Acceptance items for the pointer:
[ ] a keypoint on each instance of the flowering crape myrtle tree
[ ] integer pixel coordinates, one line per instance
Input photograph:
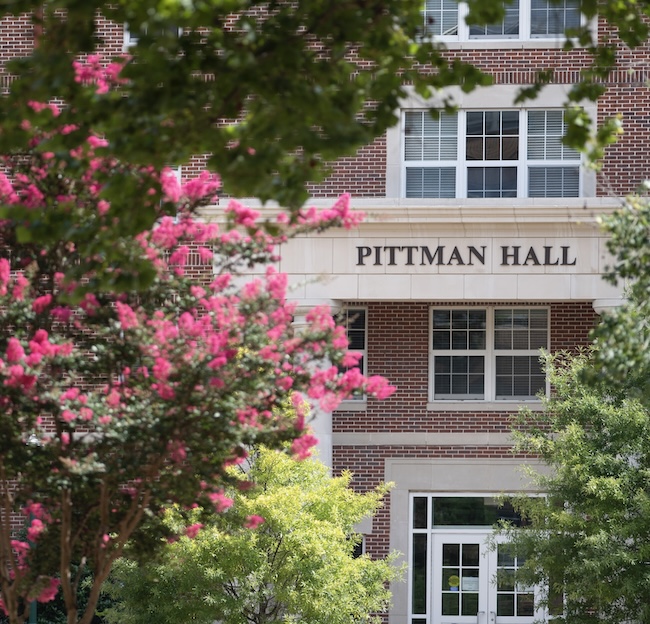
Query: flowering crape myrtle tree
(115, 402)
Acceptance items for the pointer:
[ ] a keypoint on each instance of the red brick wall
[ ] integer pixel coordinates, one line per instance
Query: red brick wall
(398, 347)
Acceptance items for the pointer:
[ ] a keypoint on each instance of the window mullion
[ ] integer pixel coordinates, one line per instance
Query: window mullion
(461, 163)
(524, 19)
(490, 364)
(463, 28)
(522, 165)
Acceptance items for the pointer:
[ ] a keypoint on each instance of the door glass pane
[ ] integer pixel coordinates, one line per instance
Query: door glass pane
(469, 604)
(460, 579)
(451, 554)
(419, 572)
(470, 555)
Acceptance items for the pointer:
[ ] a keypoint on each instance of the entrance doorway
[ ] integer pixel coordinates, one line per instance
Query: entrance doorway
(460, 571)
(473, 582)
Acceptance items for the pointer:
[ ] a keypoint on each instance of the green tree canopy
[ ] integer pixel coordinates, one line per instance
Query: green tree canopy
(297, 565)
(588, 544)
(272, 90)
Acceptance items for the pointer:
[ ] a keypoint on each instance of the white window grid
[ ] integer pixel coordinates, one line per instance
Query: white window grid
(489, 353)
(131, 38)
(441, 137)
(445, 20)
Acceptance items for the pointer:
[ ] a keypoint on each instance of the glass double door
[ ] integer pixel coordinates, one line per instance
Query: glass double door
(473, 581)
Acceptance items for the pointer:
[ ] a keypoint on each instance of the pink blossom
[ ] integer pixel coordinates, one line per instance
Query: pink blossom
(242, 215)
(36, 106)
(203, 187)
(126, 315)
(95, 141)
(113, 398)
(20, 286)
(179, 256)
(61, 313)
(205, 254)
(68, 416)
(40, 304)
(252, 522)
(177, 452)
(70, 394)
(220, 501)
(35, 529)
(89, 304)
(49, 593)
(161, 369)
(192, 530)
(15, 351)
(351, 359)
(379, 387)
(301, 447)
(170, 185)
(7, 191)
(68, 129)
(103, 207)
(65, 438)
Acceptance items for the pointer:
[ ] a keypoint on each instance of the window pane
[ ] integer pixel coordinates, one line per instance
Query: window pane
(505, 604)
(469, 603)
(442, 386)
(477, 319)
(553, 19)
(509, 27)
(525, 605)
(419, 567)
(503, 339)
(441, 340)
(450, 552)
(435, 182)
(459, 340)
(553, 182)
(420, 504)
(441, 319)
(470, 555)
(440, 17)
(450, 603)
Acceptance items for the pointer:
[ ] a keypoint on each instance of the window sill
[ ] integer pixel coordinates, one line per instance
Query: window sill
(483, 406)
(547, 43)
(352, 406)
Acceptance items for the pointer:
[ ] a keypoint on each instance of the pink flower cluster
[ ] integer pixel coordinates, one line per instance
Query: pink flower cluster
(93, 71)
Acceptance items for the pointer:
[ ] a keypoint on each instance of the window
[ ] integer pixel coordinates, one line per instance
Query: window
(524, 20)
(487, 354)
(459, 570)
(131, 38)
(480, 154)
(354, 320)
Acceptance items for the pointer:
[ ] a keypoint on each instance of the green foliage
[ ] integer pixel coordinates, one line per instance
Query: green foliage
(589, 538)
(296, 566)
(623, 337)
(273, 91)
(302, 82)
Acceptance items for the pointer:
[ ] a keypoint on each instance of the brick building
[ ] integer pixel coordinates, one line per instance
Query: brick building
(480, 247)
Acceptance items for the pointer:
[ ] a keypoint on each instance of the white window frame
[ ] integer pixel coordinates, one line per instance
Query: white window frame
(431, 533)
(462, 34)
(523, 163)
(131, 39)
(490, 353)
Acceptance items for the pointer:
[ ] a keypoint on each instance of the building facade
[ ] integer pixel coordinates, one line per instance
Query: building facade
(481, 246)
